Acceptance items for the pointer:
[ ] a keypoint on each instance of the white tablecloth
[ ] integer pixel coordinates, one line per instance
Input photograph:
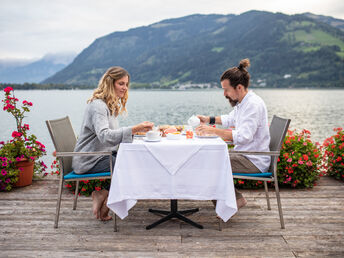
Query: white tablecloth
(196, 169)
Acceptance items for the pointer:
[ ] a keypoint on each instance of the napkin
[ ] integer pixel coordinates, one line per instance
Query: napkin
(172, 156)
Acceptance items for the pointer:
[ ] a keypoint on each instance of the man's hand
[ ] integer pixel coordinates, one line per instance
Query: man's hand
(205, 129)
(204, 119)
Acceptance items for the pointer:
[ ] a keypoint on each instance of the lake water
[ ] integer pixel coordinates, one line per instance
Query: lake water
(316, 110)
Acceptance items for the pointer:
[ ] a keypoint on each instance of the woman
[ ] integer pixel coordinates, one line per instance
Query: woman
(100, 131)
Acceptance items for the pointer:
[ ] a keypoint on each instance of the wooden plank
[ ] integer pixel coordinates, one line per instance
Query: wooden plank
(314, 226)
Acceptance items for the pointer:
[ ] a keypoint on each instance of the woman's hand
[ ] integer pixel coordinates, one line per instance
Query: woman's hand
(142, 127)
(203, 119)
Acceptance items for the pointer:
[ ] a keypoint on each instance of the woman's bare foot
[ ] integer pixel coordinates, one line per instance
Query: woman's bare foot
(241, 202)
(98, 198)
(104, 212)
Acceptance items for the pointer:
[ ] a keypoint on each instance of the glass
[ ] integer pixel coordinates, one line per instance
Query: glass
(189, 132)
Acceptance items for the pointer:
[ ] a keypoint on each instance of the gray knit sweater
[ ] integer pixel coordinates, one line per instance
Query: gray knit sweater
(99, 132)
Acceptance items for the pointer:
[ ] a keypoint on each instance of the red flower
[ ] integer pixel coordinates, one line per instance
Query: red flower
(305, 157)
(16, 134)
(8, 89)
(83, 189)
(97, 188)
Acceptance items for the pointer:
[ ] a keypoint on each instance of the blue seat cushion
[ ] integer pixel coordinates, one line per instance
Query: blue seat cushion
(72, 175)
(254, 175)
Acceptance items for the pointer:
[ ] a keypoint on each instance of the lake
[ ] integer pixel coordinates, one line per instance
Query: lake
(319, 111)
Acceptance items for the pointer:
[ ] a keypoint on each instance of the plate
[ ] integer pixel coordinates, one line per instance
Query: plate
(152, 140)
(206, 136)
(139, 135)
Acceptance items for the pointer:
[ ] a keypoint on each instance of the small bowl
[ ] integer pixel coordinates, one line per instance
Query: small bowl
(173, 136)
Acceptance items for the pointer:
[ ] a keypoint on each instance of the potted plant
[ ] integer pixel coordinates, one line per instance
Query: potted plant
(19, 157)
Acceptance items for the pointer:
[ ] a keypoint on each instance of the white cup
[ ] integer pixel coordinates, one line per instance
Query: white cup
(194, 121)
(153, 135)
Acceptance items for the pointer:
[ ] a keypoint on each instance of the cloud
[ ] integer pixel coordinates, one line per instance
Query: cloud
(31, 28)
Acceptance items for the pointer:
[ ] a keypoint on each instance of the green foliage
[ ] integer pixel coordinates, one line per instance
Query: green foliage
(334, 154)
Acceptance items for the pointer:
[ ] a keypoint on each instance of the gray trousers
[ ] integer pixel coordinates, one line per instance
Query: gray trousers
(241, 164)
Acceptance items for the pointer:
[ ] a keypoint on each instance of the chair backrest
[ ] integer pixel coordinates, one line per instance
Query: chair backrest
(64, 139)
(278, 129)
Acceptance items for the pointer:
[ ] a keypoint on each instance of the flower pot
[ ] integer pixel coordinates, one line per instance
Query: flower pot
(26, 173)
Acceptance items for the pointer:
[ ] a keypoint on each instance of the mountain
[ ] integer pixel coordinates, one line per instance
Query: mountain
(285, 51)
(338, 23)
(20, 71)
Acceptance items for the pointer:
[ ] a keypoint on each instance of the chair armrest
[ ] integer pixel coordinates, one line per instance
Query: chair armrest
(265, 153)
(70, 154)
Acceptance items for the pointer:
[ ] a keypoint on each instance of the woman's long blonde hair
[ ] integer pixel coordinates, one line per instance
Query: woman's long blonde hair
(106, 90)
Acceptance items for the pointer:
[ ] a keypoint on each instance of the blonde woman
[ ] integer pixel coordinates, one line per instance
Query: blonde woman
(100, 130)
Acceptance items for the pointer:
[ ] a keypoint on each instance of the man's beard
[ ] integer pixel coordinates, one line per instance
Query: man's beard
(233, 102)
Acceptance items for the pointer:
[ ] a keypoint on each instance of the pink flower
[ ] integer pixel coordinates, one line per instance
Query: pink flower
(8, 89)
(26, 126)
(4, 164)
(300, 162)
(3, 172)
(305, 143)
(290, 160)
(309, 163)
(16, 134)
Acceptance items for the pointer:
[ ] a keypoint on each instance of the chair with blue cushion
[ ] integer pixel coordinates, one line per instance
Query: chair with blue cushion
(64, 140)
(278, 130)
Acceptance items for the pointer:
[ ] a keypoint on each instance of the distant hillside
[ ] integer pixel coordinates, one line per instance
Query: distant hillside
(34, 72)
(338, 23)
(285, 51)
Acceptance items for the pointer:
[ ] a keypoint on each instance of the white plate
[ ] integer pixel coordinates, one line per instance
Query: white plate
(152, 140)
(206, 136)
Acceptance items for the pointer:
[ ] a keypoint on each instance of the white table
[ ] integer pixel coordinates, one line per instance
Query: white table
(195, 169)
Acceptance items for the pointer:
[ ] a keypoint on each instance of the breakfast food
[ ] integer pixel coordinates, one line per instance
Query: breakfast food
(140, 133)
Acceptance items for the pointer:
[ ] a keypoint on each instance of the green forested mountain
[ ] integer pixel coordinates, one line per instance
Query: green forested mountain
(285, 51)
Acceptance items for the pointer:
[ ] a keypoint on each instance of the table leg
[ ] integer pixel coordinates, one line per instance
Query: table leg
(174, 213)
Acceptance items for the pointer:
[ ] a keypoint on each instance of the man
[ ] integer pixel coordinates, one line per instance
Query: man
(249, 119)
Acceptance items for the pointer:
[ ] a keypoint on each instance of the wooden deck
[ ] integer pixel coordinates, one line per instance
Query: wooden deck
(314, 226)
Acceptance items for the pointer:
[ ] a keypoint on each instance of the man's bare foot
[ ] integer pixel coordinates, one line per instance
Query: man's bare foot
(98, 198)
(241, 202)
(104, 212)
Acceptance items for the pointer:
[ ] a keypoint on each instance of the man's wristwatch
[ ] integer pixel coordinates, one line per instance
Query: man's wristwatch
(212, 120)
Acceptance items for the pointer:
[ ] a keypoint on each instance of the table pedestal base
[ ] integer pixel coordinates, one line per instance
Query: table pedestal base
(174, 213)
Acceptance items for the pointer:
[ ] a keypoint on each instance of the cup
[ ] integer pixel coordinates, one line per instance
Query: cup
(153, 135)
(194, 121)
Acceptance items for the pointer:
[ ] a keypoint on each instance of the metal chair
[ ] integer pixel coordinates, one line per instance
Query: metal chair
(278, 129)
(64, 140)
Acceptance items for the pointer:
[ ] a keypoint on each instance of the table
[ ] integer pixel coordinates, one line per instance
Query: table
(195, 169)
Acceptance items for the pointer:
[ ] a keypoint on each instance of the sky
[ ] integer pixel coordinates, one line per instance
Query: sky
(30, 29)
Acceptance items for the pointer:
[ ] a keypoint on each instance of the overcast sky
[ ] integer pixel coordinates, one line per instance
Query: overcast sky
(33, 28)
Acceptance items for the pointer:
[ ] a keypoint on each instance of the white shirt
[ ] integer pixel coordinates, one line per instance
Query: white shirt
(251, 132)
